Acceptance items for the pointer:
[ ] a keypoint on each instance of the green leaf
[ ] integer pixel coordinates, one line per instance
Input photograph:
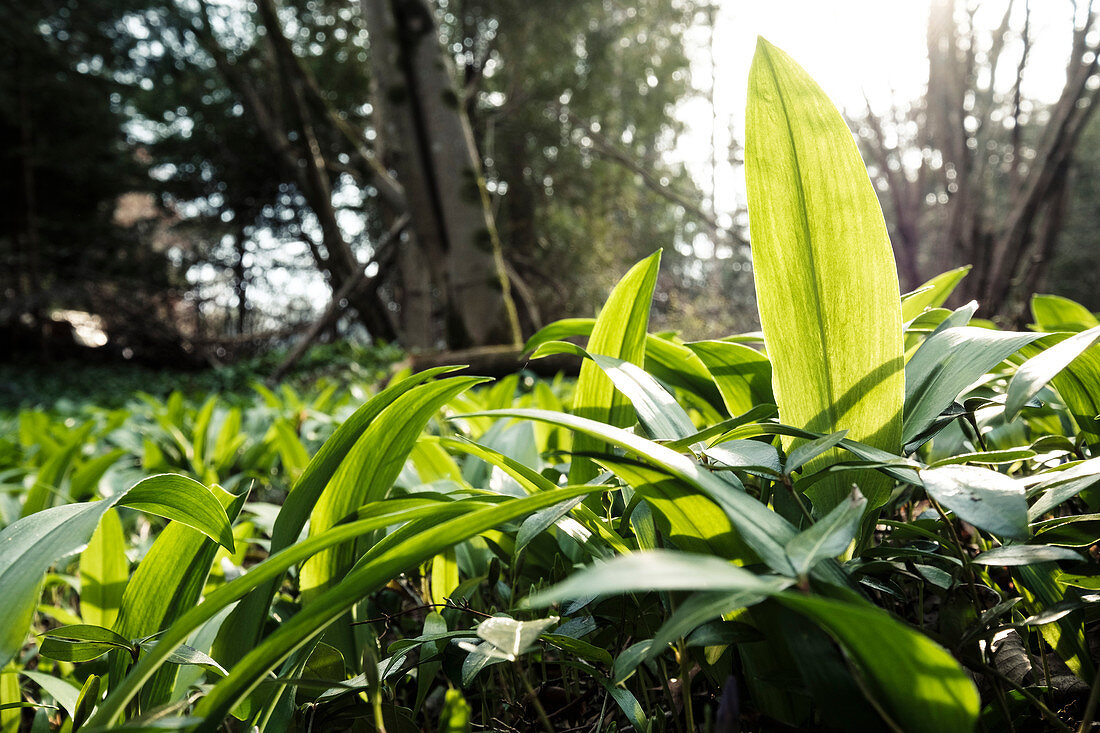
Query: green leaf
(765, 532)
(949, 361)
(104, 571)
(743, 374)
(620, 332)
(747, 455)
(1013, 555)
(579, 649)
(89, 696)
(806, 452)
(987, 499)
(917, 682)
(184, 654)
(63, 692)
(1062, 486)
(249, 617)
(168, 581)
(370, 468)
(1038, 370)
(183, 500)
(692, 521)
(828, 537)
(88, 632)
(826, 283)
(657, 410)
(991, 458)
(31, 545)
(1055, 313)
(656, 570)
(1079, 530)
(931, 294)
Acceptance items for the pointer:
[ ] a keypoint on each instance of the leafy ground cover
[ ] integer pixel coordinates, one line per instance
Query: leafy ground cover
(877, 514)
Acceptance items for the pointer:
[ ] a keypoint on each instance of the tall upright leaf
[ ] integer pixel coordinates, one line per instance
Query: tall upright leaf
(826, 282)
(620, 331)
(370, 468)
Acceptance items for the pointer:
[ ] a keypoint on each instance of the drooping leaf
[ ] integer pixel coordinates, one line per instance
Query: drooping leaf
(183, 500)
(917, 682)
(826, 283)
(987, 499)
(657, 410)
(743, 375)
(656, 570)
(1039, 370)
(1013, 555)
(948, 362)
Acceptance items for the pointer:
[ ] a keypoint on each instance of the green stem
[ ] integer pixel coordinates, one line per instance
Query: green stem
(1090, 706)
(543, 717)
(685, 686)
(1047, 712)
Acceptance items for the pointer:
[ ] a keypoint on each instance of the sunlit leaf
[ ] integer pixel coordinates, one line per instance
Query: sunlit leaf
(827, 287)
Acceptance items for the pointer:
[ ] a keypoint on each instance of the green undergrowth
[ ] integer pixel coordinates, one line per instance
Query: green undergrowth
(877, 514)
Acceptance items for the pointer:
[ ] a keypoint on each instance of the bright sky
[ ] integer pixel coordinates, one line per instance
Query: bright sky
(852, 48)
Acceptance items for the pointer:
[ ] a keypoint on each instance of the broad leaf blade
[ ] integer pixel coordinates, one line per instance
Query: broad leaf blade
(104, 571)
(641, 572)
(920, 686)
(826, 283)
(948, 362)
(987, 499)
(183, 500)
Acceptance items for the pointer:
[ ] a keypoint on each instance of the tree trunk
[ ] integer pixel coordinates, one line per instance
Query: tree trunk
(430, 146)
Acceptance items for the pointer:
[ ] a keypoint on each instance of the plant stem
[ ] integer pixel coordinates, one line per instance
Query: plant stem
(1047, 712)
(963, 555)
(685, 686)
(1090, 706)
(543, 717)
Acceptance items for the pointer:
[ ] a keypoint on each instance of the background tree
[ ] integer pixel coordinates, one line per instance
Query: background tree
(975, 173)
(66, 162)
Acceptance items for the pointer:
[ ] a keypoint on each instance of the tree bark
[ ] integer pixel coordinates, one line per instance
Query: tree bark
(430, 145)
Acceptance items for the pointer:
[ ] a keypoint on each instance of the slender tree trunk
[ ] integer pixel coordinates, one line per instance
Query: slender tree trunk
(430, 145)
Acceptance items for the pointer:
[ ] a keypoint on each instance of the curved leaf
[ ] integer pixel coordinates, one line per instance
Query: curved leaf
(1038, 370)
(922, 688)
